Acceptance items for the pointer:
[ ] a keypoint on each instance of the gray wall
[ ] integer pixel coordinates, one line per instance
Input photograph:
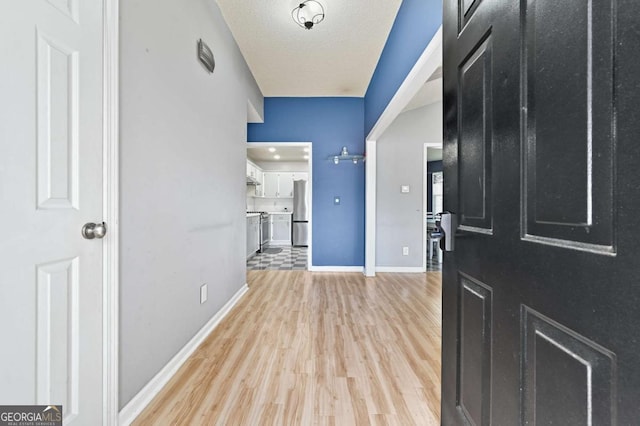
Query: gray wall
(183, 151)
(400, 162)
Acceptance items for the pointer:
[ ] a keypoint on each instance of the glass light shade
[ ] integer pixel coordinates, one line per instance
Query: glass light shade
(308, 13)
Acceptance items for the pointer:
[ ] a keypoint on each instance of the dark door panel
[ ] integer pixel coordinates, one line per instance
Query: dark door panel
(541, 297)
(568, 54)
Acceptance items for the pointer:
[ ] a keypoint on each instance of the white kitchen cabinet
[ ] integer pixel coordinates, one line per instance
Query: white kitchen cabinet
(260, 179)
(251, 170)
(280, 184)
(253, 235)
(270, 185)
(300, 176)
(280, 229)
(256, 173)
(285, 181)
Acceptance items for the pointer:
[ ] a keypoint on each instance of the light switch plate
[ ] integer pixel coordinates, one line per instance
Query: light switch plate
(404, 189)
(405, 251)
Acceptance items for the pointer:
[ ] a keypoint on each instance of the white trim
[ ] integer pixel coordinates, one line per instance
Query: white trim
(155, 385)
(370, 209)
(429, 61)
(401, 269)
(336, 269)
(425, 160)
(425, 193)
(310, 187)
(253, 116)
(111, 198)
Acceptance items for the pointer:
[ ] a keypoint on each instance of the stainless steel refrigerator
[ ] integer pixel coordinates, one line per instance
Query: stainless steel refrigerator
(300, 214)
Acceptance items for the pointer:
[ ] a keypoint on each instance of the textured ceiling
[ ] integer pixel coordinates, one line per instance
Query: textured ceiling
(335, 58)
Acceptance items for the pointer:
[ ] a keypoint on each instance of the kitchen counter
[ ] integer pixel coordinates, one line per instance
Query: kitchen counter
(253, 214)
(280, 213)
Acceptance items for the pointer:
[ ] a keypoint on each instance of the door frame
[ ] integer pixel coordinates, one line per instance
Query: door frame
(310, 186)
(110, 206)
(427, 63)
(425, 174)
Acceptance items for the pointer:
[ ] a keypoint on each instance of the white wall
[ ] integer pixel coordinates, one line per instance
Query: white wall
(183, 151)
(400, 162)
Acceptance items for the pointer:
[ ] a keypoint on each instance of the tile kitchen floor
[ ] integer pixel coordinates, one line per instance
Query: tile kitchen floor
(289, 259)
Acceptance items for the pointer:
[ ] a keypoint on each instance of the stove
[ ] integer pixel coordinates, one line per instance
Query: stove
(263, 215)
(265, 230)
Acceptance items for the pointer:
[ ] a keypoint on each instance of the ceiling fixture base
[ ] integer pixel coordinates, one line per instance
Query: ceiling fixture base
(308, 14)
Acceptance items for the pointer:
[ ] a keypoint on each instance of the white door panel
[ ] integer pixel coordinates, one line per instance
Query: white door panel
(50, 185)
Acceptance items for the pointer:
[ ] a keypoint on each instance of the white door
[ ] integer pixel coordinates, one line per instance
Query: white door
(50, 185)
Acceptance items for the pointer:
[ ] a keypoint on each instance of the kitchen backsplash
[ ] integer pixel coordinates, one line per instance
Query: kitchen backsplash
(271, 204)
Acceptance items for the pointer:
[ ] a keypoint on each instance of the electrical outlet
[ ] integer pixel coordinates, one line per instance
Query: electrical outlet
(404, 189)
(405, 251)
(203, 293)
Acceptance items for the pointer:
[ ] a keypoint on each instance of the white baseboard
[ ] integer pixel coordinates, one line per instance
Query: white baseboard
(401, 269)
(336, 269)
(139, 402)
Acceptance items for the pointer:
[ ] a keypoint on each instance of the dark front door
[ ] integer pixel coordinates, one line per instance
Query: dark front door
(541, 297)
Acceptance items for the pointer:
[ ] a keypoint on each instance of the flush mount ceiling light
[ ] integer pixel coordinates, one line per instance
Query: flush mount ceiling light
(308, 13)
(277, 157)
(272, 149)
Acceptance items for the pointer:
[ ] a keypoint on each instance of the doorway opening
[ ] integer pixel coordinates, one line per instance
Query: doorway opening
(433, 205)
(279, 205)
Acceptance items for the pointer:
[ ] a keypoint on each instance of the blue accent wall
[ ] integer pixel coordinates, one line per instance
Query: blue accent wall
(415, 25)
(329, 124)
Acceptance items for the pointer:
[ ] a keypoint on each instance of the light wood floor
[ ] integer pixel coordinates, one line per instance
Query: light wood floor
(307, 348)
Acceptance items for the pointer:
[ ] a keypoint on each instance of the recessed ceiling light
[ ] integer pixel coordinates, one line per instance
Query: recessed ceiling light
(306, 150)
(277, 157)
(272, 149)
(306, 157)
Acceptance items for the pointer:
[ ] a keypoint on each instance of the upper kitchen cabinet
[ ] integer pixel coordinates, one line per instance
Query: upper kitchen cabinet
(276, 166)
(286, 185)
(251, 170)
(255, 178)
(280, 184)
(271, 185)
(260, 179)
(300, 176)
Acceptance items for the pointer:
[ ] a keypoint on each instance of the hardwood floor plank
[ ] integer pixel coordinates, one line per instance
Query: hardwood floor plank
(307, 348)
